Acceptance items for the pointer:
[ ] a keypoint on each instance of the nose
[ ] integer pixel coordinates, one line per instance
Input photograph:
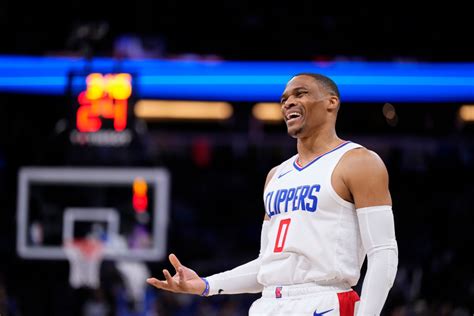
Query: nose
(288, 103)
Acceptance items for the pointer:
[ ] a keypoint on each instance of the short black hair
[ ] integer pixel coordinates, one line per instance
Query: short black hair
(326, 82)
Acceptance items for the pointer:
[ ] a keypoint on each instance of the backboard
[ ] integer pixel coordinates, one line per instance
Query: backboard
(126, 208)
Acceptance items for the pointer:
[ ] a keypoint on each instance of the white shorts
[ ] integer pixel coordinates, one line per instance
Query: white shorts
(305, 300)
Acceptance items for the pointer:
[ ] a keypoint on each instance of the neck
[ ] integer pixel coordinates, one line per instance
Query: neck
(315, 145)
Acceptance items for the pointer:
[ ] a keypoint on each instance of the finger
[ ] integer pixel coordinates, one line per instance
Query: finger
(169, 278)
(157, 283)
(152, 281)
(175, 261)
(181, 281)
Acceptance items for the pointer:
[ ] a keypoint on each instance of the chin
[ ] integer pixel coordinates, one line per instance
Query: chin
(294, 132)
(296, 129)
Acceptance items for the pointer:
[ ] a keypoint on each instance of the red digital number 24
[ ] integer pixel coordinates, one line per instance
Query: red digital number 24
(281, 235)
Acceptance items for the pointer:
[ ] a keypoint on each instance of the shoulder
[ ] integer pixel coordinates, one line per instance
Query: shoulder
(362, 161)
(273, 170)
(365, 175)
(270, 175)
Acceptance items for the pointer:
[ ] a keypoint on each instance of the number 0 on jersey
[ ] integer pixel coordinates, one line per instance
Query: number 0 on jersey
(281, 235)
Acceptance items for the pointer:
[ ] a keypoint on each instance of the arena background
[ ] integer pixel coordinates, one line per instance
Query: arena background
(218, 169)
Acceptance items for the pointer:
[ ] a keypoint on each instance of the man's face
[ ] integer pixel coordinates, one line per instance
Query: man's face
(303, 105)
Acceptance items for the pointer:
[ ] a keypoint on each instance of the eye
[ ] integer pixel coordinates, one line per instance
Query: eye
(300, 93)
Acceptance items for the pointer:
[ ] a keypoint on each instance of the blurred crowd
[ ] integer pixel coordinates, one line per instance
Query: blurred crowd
(212, 231)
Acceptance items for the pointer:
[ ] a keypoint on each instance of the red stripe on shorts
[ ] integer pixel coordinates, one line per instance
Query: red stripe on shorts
(347, 302)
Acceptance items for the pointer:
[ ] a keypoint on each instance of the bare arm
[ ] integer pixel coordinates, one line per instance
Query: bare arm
(366, 177)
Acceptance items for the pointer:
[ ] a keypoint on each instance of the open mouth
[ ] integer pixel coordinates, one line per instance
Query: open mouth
(293, 116)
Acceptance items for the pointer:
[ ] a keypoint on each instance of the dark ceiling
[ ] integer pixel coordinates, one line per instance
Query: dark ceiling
(235, 30)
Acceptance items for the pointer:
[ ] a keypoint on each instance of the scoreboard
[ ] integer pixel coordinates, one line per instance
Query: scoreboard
(102, 109)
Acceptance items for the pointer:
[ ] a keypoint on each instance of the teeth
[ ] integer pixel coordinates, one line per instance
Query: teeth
(293, 115)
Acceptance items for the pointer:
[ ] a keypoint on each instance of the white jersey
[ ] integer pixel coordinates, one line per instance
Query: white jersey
(313, 234)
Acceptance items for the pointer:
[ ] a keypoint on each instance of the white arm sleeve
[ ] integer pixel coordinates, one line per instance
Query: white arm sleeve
(378, 238)
(242, 279)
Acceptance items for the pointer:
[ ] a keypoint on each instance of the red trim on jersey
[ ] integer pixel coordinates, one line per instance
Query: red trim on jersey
(297, 162)
(347, 302)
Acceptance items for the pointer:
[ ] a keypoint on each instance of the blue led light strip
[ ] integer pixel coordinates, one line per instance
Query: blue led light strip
(248, 81)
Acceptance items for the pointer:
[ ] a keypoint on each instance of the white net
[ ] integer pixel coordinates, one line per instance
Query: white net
(85, 257)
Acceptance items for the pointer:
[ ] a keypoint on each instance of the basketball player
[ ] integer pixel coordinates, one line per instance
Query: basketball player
(327, 208)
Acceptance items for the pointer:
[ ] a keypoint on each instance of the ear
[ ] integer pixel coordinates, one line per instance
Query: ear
(333, 103)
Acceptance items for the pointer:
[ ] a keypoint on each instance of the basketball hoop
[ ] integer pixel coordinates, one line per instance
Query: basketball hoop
(85, 257)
